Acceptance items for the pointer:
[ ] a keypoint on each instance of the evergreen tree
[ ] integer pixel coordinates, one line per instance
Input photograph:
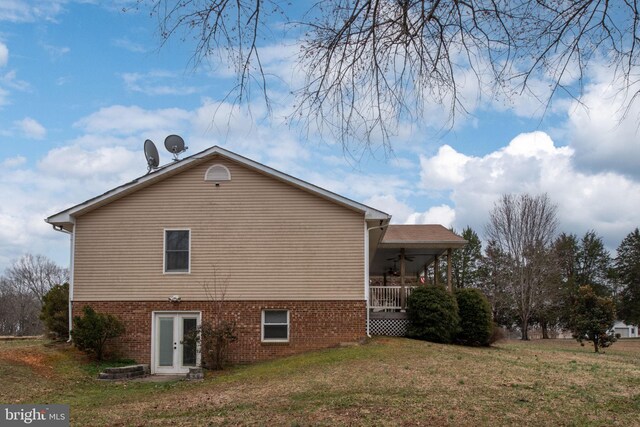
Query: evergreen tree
(55, 311)
(592, 263)
(628, 269)
(466, 262)
(566, 249)
(592, 318)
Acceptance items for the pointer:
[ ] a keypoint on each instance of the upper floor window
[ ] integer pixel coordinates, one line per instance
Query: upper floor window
(177, 244)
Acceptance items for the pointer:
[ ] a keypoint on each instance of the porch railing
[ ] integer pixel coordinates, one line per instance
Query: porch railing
(388, 298)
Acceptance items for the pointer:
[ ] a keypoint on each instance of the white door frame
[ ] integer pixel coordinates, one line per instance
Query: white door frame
(154, 341)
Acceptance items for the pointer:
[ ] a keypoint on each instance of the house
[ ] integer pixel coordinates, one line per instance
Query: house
(291, 261)
(624, 330)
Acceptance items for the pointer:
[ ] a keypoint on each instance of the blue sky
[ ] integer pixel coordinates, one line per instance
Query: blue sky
(82, 85)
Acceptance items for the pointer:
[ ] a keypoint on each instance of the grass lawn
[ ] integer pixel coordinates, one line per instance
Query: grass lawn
(384, 382)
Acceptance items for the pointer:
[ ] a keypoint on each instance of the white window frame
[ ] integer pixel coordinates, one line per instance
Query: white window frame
(164, 251)
(217, 165)
(262, 325)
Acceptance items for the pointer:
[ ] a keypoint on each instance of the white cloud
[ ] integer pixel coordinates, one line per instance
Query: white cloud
(4, 97)
(30, 10)
(443, 170)
(11, 81)
(12, 162)
(30, 128)
(604, 132)
(444, 215)
(531, 163)
(128, 120)
(55, 52)
(129, 45)
(400, 211)
(111, 164)
(157, 83)
(4, 55)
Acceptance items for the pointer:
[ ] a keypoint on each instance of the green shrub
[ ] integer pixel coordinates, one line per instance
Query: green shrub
(91, 332)
(55, 312)
(433, 314)
(476, 323)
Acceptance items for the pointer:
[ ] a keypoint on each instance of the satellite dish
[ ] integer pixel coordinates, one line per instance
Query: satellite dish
(151, 153)
(175, 145)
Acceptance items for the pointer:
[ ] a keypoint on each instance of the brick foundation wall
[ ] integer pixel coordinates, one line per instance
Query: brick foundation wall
(313, 325)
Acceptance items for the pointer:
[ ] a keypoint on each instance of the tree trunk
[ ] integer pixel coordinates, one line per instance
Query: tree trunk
(525, 330)
(545, 329)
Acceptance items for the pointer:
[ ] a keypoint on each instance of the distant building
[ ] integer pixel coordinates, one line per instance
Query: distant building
(625, 331)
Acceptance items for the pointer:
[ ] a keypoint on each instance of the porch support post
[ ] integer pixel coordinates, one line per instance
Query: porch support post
(436, 270)
(426, 274)
(449, 282)
(403, 294)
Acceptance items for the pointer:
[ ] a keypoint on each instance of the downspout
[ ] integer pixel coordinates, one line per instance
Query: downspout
(367, 291)
(366, 273)
(71, 273)
(72, 250)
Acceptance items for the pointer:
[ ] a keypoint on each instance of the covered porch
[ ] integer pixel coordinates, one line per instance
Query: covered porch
(407, 256)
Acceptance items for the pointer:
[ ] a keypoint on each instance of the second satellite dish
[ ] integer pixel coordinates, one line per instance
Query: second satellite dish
(151, 153)
(175, 145)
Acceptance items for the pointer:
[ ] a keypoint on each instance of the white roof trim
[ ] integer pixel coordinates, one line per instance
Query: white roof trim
(67, 215)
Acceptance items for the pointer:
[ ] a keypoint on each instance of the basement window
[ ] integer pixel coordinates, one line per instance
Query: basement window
(275, 325)
(177, 247)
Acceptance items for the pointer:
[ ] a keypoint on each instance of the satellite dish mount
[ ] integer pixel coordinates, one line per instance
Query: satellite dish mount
(175, 145)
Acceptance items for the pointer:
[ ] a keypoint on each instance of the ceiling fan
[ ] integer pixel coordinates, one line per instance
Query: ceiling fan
(398, 257)
(393, 271)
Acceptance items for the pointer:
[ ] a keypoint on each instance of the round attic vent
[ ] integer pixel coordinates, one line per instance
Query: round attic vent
(217, 173)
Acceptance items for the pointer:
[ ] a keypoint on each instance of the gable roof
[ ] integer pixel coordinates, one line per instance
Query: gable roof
(65, 218)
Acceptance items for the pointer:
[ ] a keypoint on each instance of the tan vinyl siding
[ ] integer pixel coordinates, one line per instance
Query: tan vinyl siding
(264, 238)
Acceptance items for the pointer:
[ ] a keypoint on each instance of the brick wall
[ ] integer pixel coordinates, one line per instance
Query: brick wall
(313, 325)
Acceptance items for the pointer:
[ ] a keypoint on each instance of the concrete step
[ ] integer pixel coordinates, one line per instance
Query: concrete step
(130, 368)
(124, 372)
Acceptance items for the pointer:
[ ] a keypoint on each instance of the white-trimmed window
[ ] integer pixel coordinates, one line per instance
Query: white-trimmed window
(275, 325)
(177, 248)
(217, 173)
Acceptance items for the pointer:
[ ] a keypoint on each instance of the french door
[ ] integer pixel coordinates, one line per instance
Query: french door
(171, 354)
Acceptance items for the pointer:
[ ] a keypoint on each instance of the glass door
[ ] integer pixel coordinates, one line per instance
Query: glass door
(171, 353)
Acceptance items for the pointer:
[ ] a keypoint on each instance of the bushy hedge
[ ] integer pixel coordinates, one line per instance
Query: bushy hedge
(92, 331)
(476, 323)
(433, 314)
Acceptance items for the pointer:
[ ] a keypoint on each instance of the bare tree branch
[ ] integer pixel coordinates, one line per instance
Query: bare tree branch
(372, 66)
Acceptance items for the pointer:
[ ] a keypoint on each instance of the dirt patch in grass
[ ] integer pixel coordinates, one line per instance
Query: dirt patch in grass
(42, 364)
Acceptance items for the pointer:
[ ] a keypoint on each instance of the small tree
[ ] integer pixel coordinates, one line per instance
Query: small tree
(92, 331)
(213, 337)
(55, 311)
(593, 318)
(476, 323)
(433, 314)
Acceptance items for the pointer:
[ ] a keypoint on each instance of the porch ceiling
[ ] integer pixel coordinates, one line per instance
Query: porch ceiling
(421, 244)
(384, 260)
